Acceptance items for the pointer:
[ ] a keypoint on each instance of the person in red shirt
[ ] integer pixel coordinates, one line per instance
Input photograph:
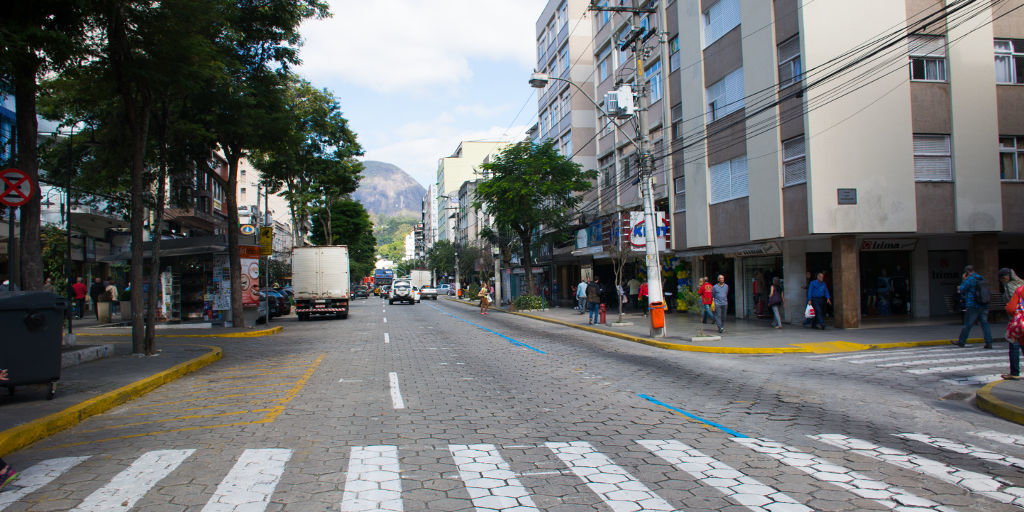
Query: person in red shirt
(643, 297)
(704, 290)
(79, 289)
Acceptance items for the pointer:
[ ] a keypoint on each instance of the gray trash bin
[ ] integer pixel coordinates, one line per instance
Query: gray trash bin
(32, 324)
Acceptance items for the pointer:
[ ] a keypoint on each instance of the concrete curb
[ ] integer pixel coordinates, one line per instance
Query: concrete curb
(244, 334)
(1007, 411)
(18, 437)
(85, 354)
(803, 348)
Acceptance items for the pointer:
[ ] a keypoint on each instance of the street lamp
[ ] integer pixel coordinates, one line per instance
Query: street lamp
(496, 252)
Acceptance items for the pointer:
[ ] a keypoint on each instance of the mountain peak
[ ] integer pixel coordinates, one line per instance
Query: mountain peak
(387, 190)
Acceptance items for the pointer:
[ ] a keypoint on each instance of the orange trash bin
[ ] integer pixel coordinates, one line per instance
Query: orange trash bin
(657, 315)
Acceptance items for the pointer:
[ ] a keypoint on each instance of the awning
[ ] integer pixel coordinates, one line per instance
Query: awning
(173, 247)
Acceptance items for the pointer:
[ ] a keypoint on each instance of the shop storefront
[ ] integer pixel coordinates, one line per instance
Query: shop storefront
(885, 278)
(758, 273)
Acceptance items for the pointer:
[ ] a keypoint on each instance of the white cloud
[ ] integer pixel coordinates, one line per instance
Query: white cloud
(418, 155)
(404, 45)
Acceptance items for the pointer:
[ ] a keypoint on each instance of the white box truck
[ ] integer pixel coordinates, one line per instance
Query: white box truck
(320, 280)
(420, 278)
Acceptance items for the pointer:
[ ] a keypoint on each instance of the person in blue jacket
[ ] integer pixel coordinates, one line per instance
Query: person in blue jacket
(817, 296)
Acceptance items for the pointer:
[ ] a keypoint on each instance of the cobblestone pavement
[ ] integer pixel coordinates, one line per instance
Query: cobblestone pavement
(436, 407)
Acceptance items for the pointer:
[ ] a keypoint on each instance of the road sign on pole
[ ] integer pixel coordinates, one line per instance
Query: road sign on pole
(266, 240)
(15, 187)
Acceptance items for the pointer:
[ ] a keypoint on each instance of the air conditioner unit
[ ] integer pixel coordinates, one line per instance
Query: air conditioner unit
(619, 103)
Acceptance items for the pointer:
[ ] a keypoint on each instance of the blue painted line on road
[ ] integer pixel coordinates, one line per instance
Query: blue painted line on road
(723, 428)
(511, 340)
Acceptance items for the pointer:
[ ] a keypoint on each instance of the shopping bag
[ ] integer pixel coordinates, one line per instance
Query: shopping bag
(809, 311)
(1011, 307)
(1015, 329)
(712, 306)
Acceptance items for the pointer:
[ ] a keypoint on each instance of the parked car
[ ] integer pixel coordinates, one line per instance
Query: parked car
(428, 292)
(275, 307)
(402, 291)
(444, 289)
(361, 291)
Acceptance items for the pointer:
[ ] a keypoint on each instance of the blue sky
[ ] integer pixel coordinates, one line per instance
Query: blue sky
(415, 78)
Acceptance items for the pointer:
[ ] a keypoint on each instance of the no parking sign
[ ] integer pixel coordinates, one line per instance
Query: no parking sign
(15, 187)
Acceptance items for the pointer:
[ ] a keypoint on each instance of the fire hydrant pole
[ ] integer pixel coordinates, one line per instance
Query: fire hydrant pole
(600, 312)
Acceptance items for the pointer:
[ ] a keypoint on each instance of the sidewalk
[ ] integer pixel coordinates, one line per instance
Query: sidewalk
(1002, 398)
(95, 378)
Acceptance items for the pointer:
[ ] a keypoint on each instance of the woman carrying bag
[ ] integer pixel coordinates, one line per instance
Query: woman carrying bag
(1012, 287)
(485, 299)
(775, 300)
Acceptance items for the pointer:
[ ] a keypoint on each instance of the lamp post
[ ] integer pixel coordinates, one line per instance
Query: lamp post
(496, 252)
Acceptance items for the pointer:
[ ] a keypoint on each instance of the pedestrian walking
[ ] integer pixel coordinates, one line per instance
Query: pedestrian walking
(7, 473)
(48, 285)
(670, 287)
(554, 292)
(593, 300)
(817, 296)
(976, 294)
(634, 292)
(642, 296)
(775, 300)
(485, 299)
(110, 292)
(1012, 287)
(94, 293)
(720, 294)
(79, 290)
(704, 290)
(808, 279)
(581, 296)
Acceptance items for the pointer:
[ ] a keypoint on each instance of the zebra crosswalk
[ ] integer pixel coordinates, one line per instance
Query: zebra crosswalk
(959, 366)
(374, 475)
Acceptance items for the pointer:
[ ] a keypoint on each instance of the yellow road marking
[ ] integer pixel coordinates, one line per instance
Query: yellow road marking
(178, 418)
(238, 387)
(237, 395)
(172, 411)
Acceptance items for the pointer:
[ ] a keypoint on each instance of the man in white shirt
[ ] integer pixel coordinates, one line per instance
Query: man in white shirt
(634, 292)
(581, 296)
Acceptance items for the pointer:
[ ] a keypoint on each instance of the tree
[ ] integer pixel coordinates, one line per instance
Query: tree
(39, 37)
(531, 188)
(441, 258)
(351, 227)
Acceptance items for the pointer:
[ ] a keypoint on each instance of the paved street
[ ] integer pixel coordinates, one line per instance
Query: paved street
(435, 407)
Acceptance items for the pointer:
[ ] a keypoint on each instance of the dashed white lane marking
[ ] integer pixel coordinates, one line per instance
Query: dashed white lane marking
(349, 380)
(387, 338)
(36, 476)
(385, 319)
(489, 479)
(889, 496)
(130, 485)
(942, 360)
(999, 437)
(970, 480)
(373, 481)
(898, 354)
(396, 393)
(960, 368)
(966, 449)
(621, 491)
(251, 482)
(735, 485)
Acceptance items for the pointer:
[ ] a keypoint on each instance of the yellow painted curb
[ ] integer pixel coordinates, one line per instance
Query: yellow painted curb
(244, 334)
(1007, 411)
(16, 438)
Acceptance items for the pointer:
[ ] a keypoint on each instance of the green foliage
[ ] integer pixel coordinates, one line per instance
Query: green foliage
(472, 292)
(441, 258)
(389, 230)
(54, 247)
(526, 302)
(690, 297)
(532, 186)
(351, 227)
(394, 251)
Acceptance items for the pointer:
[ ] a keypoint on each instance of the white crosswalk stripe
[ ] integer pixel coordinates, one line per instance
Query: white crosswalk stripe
(889, 496)
(374, 474)
(970, 480)
(896, 353)
(621, 491)
(961, 364)
(966, 449)
(250, 482)
(490, 481)
(134, 482)
(957, 368)
(740, 488)
(942, 360)
(34, 477)
(373, 481)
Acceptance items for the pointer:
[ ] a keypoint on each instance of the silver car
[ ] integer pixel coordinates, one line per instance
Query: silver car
(402, 291)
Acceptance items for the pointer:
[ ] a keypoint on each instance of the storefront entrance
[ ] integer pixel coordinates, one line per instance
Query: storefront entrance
(758, 272)
(885, 284)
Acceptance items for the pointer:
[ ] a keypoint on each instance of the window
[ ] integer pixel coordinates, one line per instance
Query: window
(1011, 158)
(563, 59)
(607, 126)
(602, 63)
(677, 122)
(566, 104)
(673, 54)
(607, 165)
(605, 16)
(566, 150)
(927, 58)
(241, 193)
(653, 78)
(556, 116)
(680, 183)
(789, 62)
(725, 96)
(1009, 61)
(621, 54)
(729, 180)
(719, 19)
(563, 16)
(794, 161)
(932, 161)
(542, 44)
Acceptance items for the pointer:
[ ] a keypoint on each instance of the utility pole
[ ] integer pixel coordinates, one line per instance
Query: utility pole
(637, 37)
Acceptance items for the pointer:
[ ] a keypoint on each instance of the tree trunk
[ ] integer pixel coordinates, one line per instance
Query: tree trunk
(31, 260)
(233, 154)
(524, 239)
(155, 230)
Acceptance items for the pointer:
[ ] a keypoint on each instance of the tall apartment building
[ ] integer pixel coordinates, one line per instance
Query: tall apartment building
(452, 171)
(428, 216)
(251, 204)
(878, 141)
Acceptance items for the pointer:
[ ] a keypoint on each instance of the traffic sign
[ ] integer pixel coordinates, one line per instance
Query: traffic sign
(15, 187)
(248, 229)
(266, 241)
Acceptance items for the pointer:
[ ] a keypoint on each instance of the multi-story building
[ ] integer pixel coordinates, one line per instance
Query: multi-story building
(251, 210)
(452, 171)
(428, 216)
(410, 246)
(879, 142)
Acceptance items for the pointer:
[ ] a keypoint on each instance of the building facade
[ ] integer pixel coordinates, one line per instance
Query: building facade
(251, 210)
(452, 171)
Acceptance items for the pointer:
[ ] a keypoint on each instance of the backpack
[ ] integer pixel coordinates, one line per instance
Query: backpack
(984, 293)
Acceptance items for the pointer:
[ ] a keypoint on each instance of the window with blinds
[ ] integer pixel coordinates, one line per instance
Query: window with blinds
(729, 180)
(932, 158)
(790, 69)
(719, 19)
(680, 185)
(725, 96)
(927, 57)
(1009, 61)
(794, 161)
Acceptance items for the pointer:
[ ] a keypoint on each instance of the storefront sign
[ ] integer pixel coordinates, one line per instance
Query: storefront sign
(250, 278)
(221, 283)
(247, 229)
(637, 231)
(892, 244)
(756, 250)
